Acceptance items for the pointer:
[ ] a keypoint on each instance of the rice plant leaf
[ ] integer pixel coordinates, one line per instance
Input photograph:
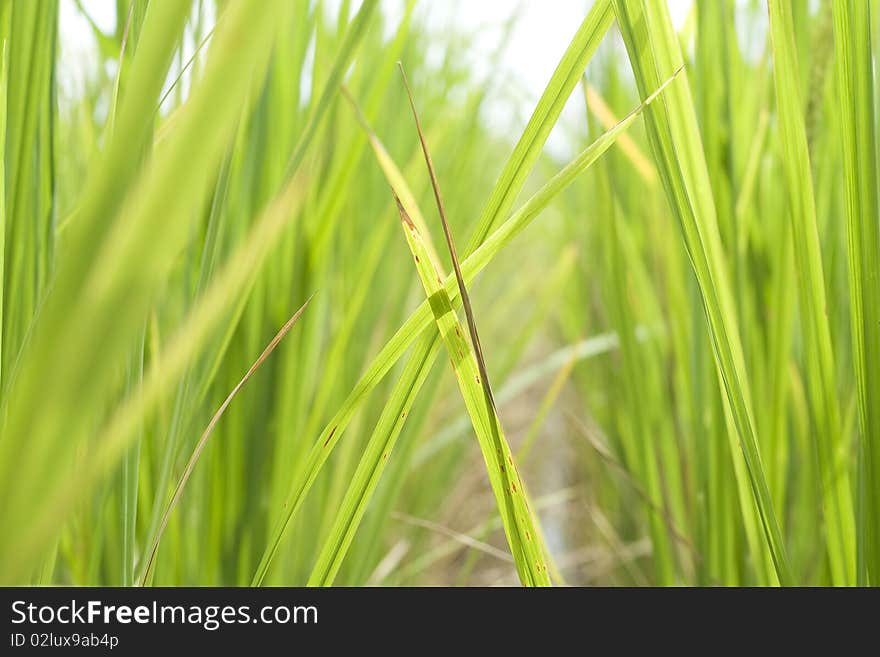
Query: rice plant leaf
(341, 62)
(196, 52)
(854, 60)
(45, 366)
(5, 15)
(654, 51)
(597, 106)
(528, 526)
(517, 384)
(821, 384)
(519, 524)
(450, 243)
(30, 49)
(228, 285)
(203, 439)
(372, 465)
(119, 252)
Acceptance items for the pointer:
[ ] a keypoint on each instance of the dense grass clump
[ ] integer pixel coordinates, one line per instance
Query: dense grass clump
(272, 315)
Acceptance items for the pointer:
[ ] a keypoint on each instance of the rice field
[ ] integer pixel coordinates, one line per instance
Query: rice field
(286, 302)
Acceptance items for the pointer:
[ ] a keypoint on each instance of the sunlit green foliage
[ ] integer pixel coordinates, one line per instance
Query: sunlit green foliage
(678, 302)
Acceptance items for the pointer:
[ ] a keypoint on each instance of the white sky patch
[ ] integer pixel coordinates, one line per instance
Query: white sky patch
(530, 53)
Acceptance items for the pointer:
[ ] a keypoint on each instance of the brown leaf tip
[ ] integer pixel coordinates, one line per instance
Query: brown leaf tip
(404, 216)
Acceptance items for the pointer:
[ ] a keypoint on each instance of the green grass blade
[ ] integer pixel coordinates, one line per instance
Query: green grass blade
(203, 440)
(105, 284)
(130, 472)
(535, 554)
(654, 52)
(822, 388)
(519, 524)
(228, 285)
(45, 369)
(29, 181)
(5, 14)
(346, 52)
(528, 148)
(857, 115)
(372, 464)
(450, 243)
